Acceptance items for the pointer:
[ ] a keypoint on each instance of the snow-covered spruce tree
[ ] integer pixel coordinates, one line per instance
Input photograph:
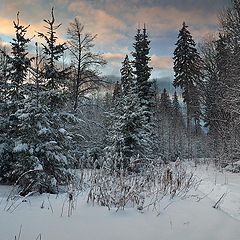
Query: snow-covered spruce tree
(41, 153)
(41, 150)
(113, 148)
(44, 140)
(38, 156)
(188, 76)
(52, 51)
(131, 132)
(125, 138)
(142, 72)
(15, 71)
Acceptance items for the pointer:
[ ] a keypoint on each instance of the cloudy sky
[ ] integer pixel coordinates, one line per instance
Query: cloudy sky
(115, 22)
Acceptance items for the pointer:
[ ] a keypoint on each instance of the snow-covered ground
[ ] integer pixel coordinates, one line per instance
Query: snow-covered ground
(187, 219)
(216, 184)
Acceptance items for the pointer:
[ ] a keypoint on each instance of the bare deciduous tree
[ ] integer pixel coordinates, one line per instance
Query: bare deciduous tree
(85, 62)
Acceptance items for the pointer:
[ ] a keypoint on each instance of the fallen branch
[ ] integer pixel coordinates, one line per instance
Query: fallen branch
(217, 204)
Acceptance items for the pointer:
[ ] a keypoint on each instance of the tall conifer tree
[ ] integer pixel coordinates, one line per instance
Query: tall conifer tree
(143, 72)
(188, 76)
(125, 143)
(144, 91)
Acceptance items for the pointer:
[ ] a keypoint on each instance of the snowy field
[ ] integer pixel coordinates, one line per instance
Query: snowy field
(45, 216)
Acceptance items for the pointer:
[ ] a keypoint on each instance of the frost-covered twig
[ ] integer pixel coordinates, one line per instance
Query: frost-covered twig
(20, 202)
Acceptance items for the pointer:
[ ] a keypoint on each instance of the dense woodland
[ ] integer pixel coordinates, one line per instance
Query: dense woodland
(58, 113)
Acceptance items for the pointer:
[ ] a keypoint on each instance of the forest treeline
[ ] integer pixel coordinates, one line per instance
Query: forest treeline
(58, 113)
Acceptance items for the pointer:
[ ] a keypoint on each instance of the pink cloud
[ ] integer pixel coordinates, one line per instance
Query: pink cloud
(113, 56)
(98, 21)
(161, 62)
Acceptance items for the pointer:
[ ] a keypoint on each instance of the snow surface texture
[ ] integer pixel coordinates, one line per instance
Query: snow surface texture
(216, 184)
(187, 219)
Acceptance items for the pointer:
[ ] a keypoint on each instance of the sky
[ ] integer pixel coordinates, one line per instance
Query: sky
(115, 23)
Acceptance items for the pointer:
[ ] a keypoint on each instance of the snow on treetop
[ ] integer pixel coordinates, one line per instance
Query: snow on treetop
(62, 130)
(20, 147)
